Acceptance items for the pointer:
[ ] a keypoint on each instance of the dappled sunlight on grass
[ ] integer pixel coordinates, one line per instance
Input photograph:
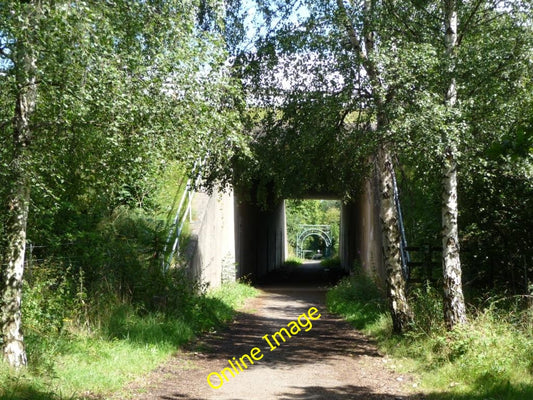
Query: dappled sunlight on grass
(128, 344)
(490, 358)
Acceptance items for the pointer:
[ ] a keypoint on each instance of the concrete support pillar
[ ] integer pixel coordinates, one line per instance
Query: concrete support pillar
(212, 241)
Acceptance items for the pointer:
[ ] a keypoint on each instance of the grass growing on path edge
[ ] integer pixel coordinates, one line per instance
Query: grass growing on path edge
(79, 365)
(489, 359)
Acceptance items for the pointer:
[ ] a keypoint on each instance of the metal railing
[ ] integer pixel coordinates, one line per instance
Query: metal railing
(306, 230)
(183, 213)
(406, 258)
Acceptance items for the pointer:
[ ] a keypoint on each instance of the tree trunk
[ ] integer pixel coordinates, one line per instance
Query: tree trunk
(454, 305)
(401, 313)
(19, 198)
(12, 272)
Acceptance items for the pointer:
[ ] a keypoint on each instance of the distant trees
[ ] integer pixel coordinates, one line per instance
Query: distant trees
(313, 212)
(96, 99)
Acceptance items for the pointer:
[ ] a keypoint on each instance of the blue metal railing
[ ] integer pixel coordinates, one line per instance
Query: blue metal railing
(406, 259)
(183, 214)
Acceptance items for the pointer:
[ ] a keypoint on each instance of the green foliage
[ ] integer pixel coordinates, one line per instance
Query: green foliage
(292, 262)
(358, 300)
(49, 300)
(314, 212)
(334, 262)
(125, 91)
(491, 357)
(428, 310)
(123, 341)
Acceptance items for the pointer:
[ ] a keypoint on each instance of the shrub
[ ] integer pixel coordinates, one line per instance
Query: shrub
(333, 262)
(358, 300)
(292, 262)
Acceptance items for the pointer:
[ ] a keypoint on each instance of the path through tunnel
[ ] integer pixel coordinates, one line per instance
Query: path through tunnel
(261, 241)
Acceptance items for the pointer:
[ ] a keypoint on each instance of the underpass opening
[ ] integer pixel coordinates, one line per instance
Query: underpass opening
(269, 239)
(313, 227)
(265, 243)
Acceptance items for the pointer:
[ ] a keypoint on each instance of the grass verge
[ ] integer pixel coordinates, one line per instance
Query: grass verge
(489, 359)
(77, 364)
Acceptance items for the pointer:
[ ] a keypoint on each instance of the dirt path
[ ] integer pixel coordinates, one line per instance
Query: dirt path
(330, 361)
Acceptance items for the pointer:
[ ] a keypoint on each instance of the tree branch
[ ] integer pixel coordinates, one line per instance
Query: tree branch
(352, 34)
(402, 21)
(465, 27)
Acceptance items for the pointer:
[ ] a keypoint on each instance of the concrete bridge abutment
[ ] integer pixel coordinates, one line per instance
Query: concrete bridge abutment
(360, 244)
(238, 238)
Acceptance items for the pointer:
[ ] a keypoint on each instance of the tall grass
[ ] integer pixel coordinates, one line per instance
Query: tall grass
(489, 358)
(293, 262)
(128, 341)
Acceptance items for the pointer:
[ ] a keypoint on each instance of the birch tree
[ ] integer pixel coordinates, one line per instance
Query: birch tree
(103, 96)
(333, 59)
(478, 84)
(364, 45)
(24, 56)
(475, 53)
(454, 304)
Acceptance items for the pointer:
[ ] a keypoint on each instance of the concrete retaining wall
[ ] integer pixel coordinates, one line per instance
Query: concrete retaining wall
(212, 242)
(261, 241)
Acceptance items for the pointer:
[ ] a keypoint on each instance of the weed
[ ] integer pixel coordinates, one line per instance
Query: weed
(292, 262)
(334, 262)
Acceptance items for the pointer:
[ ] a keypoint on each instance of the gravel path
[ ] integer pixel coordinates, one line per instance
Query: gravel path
(329, 361)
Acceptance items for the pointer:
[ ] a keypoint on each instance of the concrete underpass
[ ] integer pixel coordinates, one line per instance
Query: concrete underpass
(234, 238)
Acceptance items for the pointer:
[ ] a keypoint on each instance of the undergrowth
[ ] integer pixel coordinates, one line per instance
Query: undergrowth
(292, 262)
(333, 262)
(489, 358)
(73, 358)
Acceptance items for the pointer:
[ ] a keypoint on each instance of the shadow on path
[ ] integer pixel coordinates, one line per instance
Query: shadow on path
(347, 392)
(329, 337)
(310, 273)
(330, 360)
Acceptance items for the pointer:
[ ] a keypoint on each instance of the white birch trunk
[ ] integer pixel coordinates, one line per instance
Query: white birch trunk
(401, 313)
(12, 273)
(364, 46)
(18, 201)
(454, 305)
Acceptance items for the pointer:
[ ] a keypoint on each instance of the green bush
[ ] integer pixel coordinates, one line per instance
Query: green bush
(292, 262)
(426, 303)
(118, 342)
(51, 298)
(333, 262)
(358, 300)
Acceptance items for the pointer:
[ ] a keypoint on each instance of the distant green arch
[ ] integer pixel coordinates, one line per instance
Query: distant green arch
(322, 231)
